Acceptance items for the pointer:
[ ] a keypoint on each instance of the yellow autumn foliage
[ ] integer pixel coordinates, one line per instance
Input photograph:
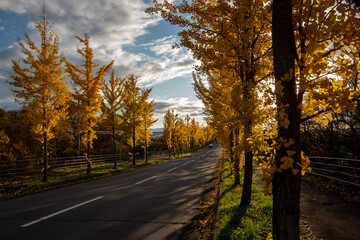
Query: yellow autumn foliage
(40, 84)
(86, 90)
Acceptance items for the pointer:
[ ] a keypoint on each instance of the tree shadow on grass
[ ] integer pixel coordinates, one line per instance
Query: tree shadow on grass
(227, 189)
(251, 221)
(237, 213)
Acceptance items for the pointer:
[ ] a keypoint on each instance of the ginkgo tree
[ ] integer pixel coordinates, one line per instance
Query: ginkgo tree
(40, 84)
(170, 119)
(183, 133)
(315, 47)
(224, 114)
(148, 121)
(86, 92)
(327, 57)
(187, 136)
(221, 115)
(313, 86)
(133, 110)
(113, 100)
(232, 41)
(196, 133)
(179, 135)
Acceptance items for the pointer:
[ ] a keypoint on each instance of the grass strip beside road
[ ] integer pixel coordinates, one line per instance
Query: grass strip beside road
(23, 185)
(14, 186)
(244, 222)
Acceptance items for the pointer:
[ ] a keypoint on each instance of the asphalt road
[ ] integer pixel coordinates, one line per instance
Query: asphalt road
(156, 202)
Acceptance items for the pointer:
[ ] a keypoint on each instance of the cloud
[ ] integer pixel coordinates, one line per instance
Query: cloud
(168, 63)
(115, 27)
(8, 103)
(165, 46)
(6, 96)
(12, 52)
(111, 24)
(181, 105)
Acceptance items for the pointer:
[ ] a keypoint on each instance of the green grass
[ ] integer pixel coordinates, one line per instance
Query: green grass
(26, 184)
(177, 156)
(245, 222)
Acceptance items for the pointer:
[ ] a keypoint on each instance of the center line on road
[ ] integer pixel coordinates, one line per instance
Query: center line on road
(188, 162)
(59, 212)
(172, 169)
(145, 180)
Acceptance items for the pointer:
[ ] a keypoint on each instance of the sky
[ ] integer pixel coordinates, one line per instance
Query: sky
(120, 30)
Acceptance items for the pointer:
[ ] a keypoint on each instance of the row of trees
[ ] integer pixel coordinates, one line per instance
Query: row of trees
(183, 134)
(266, 67)
(41, 86)
(18, 141)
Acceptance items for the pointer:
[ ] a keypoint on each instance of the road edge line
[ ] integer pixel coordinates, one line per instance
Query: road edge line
(59, 212)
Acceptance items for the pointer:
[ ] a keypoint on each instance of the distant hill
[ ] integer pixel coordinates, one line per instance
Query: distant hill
(156, 130)
(156, 133)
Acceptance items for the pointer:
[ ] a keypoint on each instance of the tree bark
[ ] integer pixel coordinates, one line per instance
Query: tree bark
(234, 136)
(146, 143)
(248, 169)
(114, 142)
(78, 142)
(133, 146)
(146, 153)
(286, 185)
(45, 177)
(88, 156)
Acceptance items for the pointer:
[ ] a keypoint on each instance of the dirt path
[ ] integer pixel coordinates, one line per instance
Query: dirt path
(328, 214)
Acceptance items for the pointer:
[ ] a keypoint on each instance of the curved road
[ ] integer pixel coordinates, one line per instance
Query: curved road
(156, 202)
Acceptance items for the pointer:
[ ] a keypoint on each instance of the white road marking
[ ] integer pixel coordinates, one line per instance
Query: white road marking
(188, 162)
(59, 212)
(145, 180)
(172, 169)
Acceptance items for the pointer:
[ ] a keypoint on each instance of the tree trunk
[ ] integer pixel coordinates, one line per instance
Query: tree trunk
(234, 137)
(78, 137)
(286, 185)
(114, 142)
(146, 143)
(236, 170)
(78, 142)
(45, 158)
(89, 159)
(248, 170)
(133, 146)
(146, 153)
